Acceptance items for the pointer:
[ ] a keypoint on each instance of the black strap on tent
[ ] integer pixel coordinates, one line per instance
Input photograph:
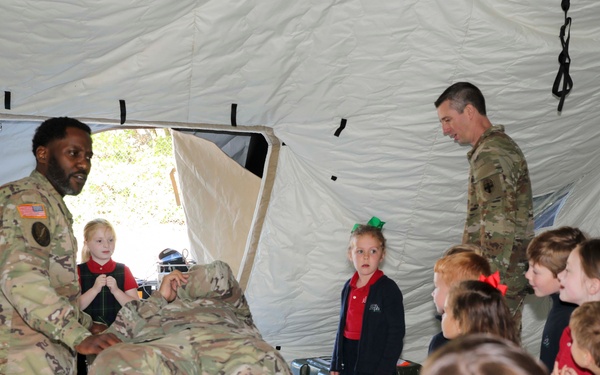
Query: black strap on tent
(123, 111)
(564, 60)
(233, 114)
(6, 99)
(342, 126)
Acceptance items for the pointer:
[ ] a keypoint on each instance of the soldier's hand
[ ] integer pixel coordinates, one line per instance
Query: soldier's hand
(170, 283)
(98, 328)
(96, 343)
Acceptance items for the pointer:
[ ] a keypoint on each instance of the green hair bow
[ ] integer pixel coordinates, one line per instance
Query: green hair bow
(374, 222)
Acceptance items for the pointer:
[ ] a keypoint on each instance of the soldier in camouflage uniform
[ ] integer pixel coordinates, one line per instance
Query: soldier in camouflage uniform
(500, 205)
(41, 325)
(206, 329)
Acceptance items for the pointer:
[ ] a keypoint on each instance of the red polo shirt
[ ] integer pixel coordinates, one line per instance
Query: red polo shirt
(356, 305)
(108, 267)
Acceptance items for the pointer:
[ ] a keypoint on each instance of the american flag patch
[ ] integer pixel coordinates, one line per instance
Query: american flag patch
(32, 211)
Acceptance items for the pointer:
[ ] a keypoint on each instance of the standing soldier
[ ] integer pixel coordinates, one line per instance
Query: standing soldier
(500, 204)
(42, 326)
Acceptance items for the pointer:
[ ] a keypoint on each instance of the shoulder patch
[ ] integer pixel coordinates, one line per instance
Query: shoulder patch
(32, 211)
(488, 185)
(40, 234)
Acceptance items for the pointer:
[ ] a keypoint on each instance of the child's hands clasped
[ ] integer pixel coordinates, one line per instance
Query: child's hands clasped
(99, 283)
(111, 283)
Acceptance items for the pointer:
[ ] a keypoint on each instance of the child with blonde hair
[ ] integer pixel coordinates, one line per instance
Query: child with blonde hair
(105, 284)
(579, 283)
(460, 263)
(585, 331)
(547, 256)
(371, 331)
(474, 306)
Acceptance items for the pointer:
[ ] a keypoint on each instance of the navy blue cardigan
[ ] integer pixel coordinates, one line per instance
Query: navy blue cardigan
(382, 334)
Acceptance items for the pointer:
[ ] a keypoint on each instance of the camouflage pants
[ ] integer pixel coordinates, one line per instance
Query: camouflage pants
(514, 278)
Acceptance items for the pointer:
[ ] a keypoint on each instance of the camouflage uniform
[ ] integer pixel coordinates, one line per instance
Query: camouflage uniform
(500, 210)
(40, 321)
(207, 329)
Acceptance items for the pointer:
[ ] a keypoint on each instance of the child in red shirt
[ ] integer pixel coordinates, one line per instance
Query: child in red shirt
(371, 330)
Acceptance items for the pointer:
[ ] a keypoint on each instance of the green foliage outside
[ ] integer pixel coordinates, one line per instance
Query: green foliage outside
(130, 182)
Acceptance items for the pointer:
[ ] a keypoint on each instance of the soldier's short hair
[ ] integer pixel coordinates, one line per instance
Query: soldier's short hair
(55, 128)
(585, 326)
(466, 265)
(551, 249)
(460, 94)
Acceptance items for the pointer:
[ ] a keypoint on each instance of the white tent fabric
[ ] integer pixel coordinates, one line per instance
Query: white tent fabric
(219, 197)
(299, 68)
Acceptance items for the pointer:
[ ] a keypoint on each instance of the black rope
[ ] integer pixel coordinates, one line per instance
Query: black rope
(564, 60)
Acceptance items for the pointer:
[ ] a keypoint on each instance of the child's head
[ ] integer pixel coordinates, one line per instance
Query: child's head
(585, 332)
(463, 248)
(477, 307)
(580, 280)
(453, 268)
(547, 255)
(366, 249)
(99, 239)
(482, 354)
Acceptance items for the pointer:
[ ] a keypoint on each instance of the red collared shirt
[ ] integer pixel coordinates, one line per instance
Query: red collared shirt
(356, 305)
(109, 267)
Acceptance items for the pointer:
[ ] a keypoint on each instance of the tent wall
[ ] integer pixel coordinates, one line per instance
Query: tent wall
(219, 200)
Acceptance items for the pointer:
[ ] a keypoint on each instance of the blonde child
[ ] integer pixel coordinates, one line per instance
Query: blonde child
(461, 262)
(547, 256)
(370, 335)
(478, 307)
(579, 283)
(105, 284)
(585, 331)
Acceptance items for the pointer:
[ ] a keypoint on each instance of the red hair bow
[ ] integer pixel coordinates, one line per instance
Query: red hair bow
(494, 280)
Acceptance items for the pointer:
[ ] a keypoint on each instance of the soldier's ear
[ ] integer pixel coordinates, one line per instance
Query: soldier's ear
(41, 154)
(470, 110)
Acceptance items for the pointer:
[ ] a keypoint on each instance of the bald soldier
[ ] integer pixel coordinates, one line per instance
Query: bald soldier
(42, 326)
(500, 204)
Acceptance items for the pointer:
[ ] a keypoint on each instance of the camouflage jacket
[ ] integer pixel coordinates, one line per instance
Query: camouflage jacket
(209, 324)
(40, 321)
(500, 206)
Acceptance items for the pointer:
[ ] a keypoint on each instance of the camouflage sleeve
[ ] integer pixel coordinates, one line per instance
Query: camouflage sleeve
(25, 280)
(496, 193)
(139, 318)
